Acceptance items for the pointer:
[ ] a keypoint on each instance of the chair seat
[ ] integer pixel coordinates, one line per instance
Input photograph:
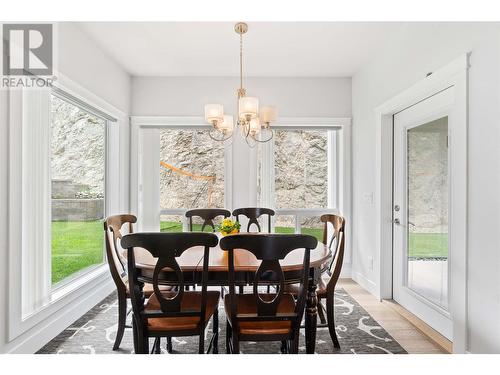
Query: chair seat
(191, 301)
(148, 289)
(320, 290)
(245, 304)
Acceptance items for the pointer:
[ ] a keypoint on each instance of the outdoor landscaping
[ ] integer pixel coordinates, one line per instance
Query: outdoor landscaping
(76, 245)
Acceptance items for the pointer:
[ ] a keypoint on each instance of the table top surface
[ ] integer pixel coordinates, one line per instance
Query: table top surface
(192, 259)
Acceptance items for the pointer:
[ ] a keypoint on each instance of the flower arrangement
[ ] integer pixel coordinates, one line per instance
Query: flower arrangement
(228, 226)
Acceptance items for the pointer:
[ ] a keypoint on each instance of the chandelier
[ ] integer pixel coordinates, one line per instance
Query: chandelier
(254, 122)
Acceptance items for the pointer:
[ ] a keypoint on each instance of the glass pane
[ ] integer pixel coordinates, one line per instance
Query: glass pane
(428, 210)
(192, 170)
(170, 223)
(301, 168)
(77, 173)
(312, 226)
(284, 224)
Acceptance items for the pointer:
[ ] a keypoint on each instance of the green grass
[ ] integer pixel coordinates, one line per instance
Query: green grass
(75, 245)
(428, 245)
(315, 232)
(78, 245)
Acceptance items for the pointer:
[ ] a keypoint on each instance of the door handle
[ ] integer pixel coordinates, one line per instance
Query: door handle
(396, 221)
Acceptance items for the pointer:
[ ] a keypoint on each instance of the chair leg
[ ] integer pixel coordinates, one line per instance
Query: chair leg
(215, 330)
(222, 292)
(268, 289)
(135, 335)
(145, 344)
(201, 345)
(142, 342)
(169, 344)
(240, 289)
(331, 320)
(228, 337)
(236, 344)
(283, 348)
(294, 345)
(122, 317)
(156, 348)
(321, 312)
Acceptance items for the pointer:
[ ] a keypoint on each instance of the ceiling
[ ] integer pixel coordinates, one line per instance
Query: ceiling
(274, 49)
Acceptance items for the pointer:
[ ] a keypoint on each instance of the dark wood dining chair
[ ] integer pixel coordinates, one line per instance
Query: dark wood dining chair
(253, 213)
(270, 316)
(114, 227)
(326, 287)
(208, 215)
(176, 313)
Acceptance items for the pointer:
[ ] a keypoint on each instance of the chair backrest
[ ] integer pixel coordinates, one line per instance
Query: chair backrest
(338, 240)
(270, 249)
(208, 215)
(113, 233)
(166, 247)
(253, 213)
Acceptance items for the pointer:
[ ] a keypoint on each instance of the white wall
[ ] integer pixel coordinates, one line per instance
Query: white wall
(82, 62)
(413, 54)
(293, 97)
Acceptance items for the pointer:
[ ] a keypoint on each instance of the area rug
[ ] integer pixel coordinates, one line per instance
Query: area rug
(357, 331)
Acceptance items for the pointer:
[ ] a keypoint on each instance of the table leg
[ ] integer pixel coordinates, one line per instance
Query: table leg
(311, 318)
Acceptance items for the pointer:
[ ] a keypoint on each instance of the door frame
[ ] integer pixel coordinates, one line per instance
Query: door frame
(454, 74)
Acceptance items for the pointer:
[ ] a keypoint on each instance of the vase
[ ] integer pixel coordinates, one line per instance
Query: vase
(234, 231)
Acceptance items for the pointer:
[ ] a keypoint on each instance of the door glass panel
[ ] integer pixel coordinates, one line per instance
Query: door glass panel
(427, 226)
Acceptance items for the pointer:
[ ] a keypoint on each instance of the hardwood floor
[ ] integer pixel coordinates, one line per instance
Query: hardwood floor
(408, 336)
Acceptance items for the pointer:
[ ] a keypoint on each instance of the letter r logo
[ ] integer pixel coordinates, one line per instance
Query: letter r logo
(27, 49)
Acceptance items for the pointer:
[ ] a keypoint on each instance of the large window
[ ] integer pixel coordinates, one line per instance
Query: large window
(303, 173)
(77, 165)
(191, 174)
(301, 177)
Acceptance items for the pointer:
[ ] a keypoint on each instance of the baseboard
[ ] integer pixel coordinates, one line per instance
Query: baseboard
(365, 283)
(41, 334)
(346, 272)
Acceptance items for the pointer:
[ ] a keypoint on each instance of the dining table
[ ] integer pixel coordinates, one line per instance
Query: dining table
(246, 265)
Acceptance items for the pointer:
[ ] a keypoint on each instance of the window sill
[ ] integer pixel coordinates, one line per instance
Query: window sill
(69, 287)
(63, 297)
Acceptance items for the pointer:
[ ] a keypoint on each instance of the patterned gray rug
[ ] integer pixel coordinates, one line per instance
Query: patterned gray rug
(95, 332)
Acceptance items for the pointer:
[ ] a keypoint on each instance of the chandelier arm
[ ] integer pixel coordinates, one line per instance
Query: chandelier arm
(219, 139)
(267, 140)
(248, 143)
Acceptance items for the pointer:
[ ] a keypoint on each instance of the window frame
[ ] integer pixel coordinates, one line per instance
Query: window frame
(84, 291)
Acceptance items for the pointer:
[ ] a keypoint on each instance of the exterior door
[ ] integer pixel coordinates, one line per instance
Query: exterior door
(421, 270)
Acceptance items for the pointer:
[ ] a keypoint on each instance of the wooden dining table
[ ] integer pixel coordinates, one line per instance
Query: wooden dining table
(191, 264)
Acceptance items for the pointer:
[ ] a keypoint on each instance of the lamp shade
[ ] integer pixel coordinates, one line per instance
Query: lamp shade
(214, 112)
(267, 114)
(248, 106)
(227, 124)
(254, 126)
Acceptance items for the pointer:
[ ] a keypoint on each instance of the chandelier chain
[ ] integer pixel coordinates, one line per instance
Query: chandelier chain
(241, 61)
